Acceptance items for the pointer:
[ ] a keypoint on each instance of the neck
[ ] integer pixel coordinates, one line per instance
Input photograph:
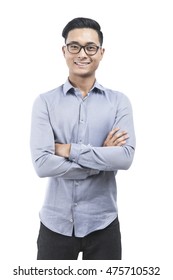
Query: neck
(82, 83)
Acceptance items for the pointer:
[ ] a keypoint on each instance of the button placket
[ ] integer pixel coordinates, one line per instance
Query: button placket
(82, 123)
(75, 192)
(75, 203)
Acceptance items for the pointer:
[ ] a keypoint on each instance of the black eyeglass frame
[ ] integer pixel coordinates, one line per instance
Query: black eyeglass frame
(83, 47)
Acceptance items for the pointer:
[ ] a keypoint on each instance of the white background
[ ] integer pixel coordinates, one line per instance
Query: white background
(139, 62)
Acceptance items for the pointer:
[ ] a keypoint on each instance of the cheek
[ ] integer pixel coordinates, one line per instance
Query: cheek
(95, 63)
(69, 60)
(67, 55)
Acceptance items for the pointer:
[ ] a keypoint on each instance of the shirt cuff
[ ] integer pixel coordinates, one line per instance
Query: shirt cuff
(75, 152)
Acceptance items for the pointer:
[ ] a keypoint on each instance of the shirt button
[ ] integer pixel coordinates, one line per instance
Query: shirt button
(75, 204)
(71, 220)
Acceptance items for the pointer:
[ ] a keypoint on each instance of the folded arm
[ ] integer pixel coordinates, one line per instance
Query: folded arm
(114, 155)
(118, 148)
(102, 158)
(42, 144)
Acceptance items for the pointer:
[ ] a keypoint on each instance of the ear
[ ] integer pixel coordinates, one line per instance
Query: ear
(102, 51)
(63, 50)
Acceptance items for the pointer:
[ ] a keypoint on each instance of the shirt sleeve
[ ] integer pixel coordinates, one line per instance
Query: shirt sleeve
(42, 144)
(110, 158)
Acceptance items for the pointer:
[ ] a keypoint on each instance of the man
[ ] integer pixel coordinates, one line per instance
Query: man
(81, 134)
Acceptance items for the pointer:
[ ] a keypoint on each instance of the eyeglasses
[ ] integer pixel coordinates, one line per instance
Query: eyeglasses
(90, 49)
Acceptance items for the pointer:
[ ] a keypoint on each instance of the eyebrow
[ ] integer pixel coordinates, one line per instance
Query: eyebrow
(88, 43)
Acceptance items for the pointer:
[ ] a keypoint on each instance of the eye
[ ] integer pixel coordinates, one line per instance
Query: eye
(74, 47)
(91, 48)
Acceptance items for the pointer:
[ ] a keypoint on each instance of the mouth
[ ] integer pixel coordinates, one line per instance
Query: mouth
(82, 63)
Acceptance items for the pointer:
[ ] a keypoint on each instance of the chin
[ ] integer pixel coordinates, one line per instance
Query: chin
(83, 72)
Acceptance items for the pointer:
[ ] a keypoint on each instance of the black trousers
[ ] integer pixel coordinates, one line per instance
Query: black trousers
(103, 244)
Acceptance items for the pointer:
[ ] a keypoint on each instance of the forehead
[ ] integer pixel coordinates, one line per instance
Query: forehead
(83, 36)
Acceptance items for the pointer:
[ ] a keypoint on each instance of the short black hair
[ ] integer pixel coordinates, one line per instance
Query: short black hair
(81, 22)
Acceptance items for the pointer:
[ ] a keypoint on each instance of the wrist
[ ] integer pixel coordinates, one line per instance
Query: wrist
(62, 150)
(67, 150)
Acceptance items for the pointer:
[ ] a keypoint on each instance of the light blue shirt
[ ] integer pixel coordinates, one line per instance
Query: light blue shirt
(82, 191)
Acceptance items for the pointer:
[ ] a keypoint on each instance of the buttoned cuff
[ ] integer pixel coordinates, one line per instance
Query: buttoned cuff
(75, 152)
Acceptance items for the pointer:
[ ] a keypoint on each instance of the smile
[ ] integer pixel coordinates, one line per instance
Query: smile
(82, 63)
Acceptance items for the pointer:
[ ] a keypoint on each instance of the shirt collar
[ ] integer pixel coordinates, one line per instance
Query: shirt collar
(67, 87)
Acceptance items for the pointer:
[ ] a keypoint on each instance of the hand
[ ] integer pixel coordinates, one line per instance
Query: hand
(62, 150)
(116, 139)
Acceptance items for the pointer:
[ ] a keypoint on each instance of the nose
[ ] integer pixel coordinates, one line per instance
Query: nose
(82, 52)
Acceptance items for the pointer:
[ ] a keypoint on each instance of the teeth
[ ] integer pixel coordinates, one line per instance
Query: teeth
(82, 63)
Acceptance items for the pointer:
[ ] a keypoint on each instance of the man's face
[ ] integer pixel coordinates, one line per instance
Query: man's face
(82, 64)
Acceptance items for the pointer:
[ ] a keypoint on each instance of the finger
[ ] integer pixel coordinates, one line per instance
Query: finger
(117, 135)
(111, 133)
(120, 139)
(115, 130)
(114, 138)
(121, 143)
(120, 135)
